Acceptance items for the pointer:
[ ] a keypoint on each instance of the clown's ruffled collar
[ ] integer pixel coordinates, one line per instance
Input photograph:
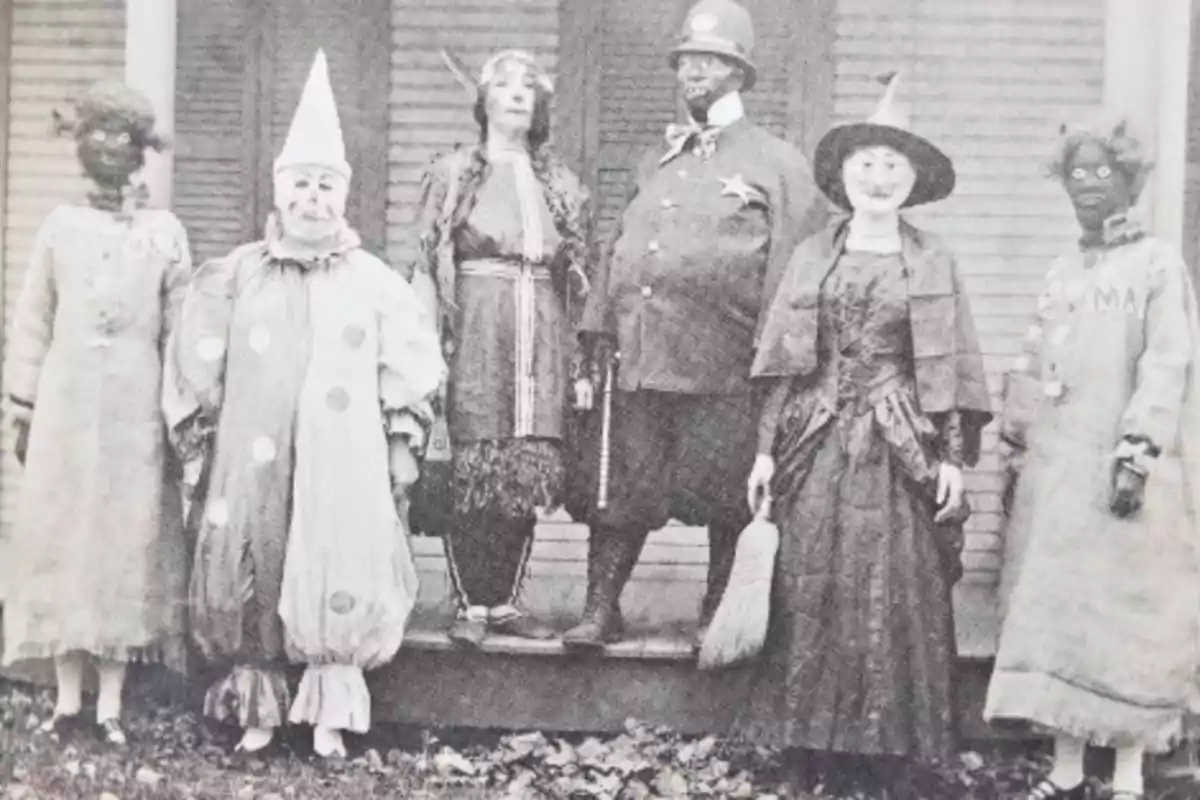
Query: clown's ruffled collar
(122, 201)
(280, 250)
(1119, 229)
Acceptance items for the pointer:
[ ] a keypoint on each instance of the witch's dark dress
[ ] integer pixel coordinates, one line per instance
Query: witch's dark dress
(860, 648)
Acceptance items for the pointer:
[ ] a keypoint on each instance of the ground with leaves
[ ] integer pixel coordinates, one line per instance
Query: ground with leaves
(175, 756)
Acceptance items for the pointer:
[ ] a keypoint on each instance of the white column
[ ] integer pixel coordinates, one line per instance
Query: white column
(1131, 73)
(1170, 173)
(150, 43)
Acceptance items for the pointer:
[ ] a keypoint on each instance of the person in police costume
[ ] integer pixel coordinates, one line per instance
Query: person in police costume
(714, 216)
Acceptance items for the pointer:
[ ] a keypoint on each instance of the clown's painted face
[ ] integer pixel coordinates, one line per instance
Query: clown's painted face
(705, 78)
(109, 151)
(511, 94)
(878, 179)
(311, 200)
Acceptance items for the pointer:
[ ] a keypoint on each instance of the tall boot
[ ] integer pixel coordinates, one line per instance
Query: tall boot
(611, 560)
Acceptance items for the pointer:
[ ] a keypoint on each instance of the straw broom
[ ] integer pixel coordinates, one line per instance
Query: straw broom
(739, 626)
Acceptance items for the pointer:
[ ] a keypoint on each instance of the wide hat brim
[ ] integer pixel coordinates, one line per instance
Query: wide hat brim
(935, 172)
(719, 48)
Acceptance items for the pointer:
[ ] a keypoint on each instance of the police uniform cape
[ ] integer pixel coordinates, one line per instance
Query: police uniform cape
(947, 364)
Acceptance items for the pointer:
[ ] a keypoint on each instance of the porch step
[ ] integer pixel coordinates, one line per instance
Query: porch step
(518, 684)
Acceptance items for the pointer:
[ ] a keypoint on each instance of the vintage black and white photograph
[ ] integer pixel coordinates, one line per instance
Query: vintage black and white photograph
(600, 399)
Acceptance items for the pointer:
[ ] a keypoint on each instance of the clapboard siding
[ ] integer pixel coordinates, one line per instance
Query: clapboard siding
(58, 48)
(430, 113)
(990, 83)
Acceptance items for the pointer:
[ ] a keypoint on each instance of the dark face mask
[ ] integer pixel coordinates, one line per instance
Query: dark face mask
(110, 152)
(1097, 188)
(705, 79)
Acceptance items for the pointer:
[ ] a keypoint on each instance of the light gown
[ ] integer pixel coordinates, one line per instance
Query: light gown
(1102, 615)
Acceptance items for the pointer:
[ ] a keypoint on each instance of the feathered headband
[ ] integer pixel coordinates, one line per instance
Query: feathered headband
(463, 74)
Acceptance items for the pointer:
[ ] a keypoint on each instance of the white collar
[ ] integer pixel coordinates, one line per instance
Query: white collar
(726, 110)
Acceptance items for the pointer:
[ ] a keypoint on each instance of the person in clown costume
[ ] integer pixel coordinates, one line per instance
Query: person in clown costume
(297, 395)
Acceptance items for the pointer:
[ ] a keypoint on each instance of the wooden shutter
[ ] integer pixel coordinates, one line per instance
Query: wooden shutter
(430, 113)
(990, 83)
(216, 113)
(355, 36)
(57, 49)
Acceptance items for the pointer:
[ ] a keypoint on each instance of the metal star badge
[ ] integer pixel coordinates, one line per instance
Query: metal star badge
(737, 187)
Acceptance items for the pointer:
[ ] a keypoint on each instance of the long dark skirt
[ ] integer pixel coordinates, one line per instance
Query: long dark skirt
(860, 648)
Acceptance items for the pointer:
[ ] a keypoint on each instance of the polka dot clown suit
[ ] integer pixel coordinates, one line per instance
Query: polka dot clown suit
(299, 365)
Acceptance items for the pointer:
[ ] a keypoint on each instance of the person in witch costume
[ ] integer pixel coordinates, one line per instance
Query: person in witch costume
(677, 299)
(297, 395)
(1100, 588)
(96, 563)
(877, 402)
(503, 232)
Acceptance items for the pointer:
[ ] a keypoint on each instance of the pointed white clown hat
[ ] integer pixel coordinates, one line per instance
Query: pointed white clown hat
(888, 126)
(315, 137)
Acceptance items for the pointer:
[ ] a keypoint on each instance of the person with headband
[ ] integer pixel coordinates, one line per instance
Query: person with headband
(503, 227)
(297, 396)
(96, 564)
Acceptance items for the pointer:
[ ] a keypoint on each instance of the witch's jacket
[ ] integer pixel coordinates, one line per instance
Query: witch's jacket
(947, 367)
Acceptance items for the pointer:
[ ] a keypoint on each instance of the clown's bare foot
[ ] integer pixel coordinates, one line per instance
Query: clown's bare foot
(327, 742)
(255, 739)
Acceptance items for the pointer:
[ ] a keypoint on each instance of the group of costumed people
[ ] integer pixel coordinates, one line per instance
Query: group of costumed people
(228, 445)
(775, 331)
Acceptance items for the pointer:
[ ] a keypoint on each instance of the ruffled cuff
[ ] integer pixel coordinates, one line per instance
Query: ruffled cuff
(252, 697)
(333, 696)
(414, 422)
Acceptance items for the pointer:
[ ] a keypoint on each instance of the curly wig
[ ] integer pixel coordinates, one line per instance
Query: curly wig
(1125, 151)
(111, 100)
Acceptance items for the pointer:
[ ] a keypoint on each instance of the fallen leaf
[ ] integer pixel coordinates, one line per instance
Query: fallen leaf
(147, 776)
(448, 762)
(670, 783)
(563, 755)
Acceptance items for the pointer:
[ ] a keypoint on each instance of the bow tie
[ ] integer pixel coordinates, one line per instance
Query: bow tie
(703, 140)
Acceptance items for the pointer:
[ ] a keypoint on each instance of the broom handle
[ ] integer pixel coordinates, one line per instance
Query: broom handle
(605, 437)
(764, 505)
